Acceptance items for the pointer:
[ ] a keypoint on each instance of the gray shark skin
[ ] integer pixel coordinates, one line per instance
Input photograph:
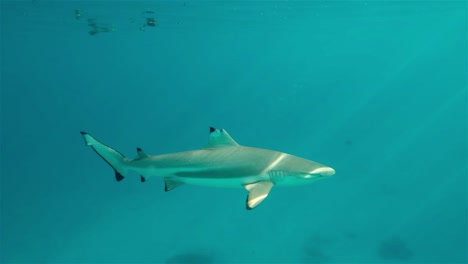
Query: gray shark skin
(221, 163)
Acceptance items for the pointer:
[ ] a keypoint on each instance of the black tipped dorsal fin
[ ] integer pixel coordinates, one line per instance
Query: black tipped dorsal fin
(141, 154)
(220, 138)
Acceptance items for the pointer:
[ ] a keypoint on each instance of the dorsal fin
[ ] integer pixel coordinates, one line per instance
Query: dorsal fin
(141, 154)
(220, 138)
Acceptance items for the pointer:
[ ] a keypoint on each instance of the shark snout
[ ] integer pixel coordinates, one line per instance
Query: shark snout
(324, 171)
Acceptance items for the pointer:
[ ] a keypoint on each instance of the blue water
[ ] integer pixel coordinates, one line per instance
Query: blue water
(375, 89)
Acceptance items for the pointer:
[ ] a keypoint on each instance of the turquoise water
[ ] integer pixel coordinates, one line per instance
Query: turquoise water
(375, 89)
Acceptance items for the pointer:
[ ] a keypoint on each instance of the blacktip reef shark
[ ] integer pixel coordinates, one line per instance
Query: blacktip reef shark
(221, 163)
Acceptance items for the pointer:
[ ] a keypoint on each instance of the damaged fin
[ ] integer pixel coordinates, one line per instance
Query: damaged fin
(220, 138)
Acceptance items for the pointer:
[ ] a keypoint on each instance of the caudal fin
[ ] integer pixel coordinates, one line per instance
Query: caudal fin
(116, 160)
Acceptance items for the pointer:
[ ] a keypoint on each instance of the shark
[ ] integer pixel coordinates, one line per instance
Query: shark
(220, 163)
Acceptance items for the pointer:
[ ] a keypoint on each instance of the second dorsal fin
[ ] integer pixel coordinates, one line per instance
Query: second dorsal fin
(220, 138)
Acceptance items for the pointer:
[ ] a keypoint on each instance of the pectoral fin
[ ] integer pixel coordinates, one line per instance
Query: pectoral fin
(257, 193)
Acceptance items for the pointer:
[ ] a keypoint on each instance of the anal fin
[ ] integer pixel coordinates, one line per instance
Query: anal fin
(257, 193)
(171, 184)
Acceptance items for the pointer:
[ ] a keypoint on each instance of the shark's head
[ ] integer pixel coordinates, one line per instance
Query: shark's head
(303, 177)
(292, 170)
(320, 172)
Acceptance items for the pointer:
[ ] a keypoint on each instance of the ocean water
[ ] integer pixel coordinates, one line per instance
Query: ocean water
(375, 89)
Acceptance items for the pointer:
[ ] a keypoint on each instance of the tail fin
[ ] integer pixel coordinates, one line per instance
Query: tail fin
(116, 160)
